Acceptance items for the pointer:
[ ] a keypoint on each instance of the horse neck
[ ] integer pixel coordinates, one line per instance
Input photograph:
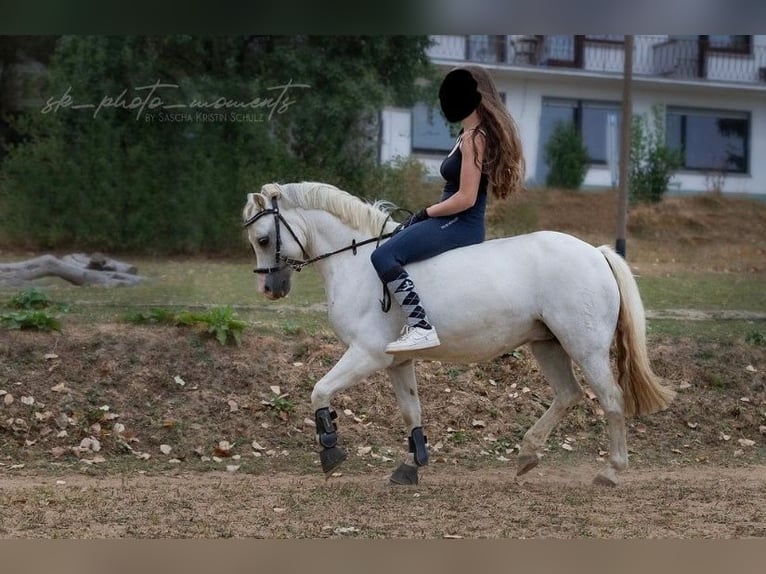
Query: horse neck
(327, 233)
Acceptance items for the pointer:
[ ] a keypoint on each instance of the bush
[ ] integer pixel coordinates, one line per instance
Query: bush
(652, 162)
(403, 182)
(756, 338)
(220, 323)
(32, 310)
(38, 320)
(29, 299)
(567, 157)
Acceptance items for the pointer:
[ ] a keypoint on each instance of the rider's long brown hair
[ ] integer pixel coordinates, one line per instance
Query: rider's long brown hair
(503, 155)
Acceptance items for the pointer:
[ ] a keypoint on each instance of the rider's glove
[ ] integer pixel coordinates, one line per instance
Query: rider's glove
(421, 215)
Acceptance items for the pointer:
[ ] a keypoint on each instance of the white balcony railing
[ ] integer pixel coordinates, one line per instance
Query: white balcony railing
(682, 58)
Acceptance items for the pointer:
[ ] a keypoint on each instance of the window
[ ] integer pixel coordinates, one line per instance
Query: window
(721, 43)
(595, 123)
(606, 38)
(566, 51)
(598, 124)
(710, 140)
(487, 49)
(430, 131)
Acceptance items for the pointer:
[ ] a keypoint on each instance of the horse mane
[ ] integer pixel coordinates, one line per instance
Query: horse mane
(355, 212)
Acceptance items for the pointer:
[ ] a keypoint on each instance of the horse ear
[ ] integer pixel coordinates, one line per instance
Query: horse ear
(257, 199)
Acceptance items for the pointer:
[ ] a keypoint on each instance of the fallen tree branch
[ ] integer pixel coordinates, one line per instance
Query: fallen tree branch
(77, 268)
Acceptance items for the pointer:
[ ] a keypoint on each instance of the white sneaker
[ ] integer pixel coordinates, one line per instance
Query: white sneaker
(414, 339)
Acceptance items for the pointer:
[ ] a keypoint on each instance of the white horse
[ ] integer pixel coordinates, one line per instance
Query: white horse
(564, 298)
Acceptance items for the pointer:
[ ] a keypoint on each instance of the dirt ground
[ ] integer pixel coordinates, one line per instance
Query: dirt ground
(557, 502)
(121, 431)
(114, 446)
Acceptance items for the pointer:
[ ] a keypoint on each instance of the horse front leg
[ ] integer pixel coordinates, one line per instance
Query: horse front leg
(353, 366)
(406, 390)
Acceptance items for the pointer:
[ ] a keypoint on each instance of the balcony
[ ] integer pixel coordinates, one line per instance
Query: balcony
(695, 58)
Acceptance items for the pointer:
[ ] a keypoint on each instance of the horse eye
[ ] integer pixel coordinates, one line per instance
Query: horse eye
(263, 241)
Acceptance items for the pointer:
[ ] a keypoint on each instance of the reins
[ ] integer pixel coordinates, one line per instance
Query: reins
(297, 264)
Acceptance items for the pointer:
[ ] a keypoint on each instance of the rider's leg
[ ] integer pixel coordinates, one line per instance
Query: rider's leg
(418, 333)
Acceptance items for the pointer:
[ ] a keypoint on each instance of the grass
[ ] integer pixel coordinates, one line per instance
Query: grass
(188, 282)
(219, 322)
(178, 285)
(712, 330)
(194, 284)
(705, 291)
(710, 246)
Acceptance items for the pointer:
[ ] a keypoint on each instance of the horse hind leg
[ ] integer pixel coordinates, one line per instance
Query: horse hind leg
(556, 365)
(598, 372)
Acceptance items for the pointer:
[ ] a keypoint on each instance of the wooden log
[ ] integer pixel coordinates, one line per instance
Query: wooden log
(77, 269)
(99, 262)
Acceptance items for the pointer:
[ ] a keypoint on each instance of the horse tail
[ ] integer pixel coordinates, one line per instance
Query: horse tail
(642, 392)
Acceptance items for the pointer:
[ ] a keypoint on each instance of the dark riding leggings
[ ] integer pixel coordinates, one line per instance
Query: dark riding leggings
(424, 240)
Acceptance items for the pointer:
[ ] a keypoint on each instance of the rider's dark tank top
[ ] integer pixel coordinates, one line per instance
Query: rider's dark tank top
(450, 171)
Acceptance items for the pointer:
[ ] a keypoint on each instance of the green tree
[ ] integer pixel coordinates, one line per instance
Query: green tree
(21, 57)
(112, 178)
(652, 162)
(335, 130)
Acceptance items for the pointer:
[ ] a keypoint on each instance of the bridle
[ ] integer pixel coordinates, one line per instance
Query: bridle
(282, 261)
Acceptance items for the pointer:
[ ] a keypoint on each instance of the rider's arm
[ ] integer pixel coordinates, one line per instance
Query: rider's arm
(470, 176)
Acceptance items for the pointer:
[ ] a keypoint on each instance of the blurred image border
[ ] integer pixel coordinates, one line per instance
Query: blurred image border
(347, 556)
(38, 17)
(390, 17)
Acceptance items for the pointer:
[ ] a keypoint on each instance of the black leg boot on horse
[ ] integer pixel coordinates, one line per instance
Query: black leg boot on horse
(331, 456)
(408, 473)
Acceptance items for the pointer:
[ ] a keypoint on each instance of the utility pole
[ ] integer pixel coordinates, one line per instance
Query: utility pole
(627, 121)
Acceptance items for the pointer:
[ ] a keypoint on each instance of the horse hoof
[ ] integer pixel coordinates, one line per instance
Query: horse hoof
(331, 458)
(526, 462)
(405, 474)
(606, 478)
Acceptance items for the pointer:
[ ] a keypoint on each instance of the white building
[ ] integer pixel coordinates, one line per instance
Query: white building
(711, 91)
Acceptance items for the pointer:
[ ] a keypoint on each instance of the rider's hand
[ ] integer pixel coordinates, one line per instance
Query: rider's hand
(421, 215)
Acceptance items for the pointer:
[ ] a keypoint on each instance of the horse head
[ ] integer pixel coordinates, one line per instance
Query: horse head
(280, 219)
(275, 239)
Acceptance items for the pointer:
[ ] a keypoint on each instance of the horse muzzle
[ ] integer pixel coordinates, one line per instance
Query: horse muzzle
(275, 285)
